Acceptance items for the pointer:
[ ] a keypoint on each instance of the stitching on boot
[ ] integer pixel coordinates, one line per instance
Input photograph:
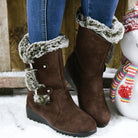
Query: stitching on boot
(112, 35)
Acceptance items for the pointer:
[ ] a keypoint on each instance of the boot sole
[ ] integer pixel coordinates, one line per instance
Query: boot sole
(38, 118)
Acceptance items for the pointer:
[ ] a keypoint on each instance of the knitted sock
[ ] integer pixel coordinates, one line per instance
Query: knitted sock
(101, 10)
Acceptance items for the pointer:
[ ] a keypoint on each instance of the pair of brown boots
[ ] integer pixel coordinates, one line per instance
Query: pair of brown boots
(48, 99)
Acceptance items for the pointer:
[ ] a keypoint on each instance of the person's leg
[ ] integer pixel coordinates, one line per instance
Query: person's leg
(44, 19)
(48, 100)
(86, 65)
(101, 10)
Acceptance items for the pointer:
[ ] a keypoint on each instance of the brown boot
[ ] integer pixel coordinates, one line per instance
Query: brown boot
(86, 66)
(48, 100)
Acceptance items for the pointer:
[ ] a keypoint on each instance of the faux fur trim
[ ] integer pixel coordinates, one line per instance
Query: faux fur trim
(41, 99)
(112, 35)
(28, 52)
(33, 85)
(30, 80)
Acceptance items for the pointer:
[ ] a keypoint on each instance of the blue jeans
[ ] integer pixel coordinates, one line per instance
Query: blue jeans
(101, 10)
(45, 16)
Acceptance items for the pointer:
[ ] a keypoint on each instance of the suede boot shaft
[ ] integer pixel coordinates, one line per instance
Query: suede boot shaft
(48, 100)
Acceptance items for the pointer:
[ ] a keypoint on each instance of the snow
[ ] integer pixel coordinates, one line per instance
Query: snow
(15, 124)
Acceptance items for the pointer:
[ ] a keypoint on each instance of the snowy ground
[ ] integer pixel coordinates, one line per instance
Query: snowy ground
(14, 123)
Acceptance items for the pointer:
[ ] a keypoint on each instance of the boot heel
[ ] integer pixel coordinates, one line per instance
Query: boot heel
(35, 116)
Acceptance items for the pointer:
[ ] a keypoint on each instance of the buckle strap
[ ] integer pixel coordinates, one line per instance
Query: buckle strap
(33, 85)
(31, 81)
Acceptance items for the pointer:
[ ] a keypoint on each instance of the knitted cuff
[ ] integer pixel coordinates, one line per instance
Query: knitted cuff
(112, 35)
